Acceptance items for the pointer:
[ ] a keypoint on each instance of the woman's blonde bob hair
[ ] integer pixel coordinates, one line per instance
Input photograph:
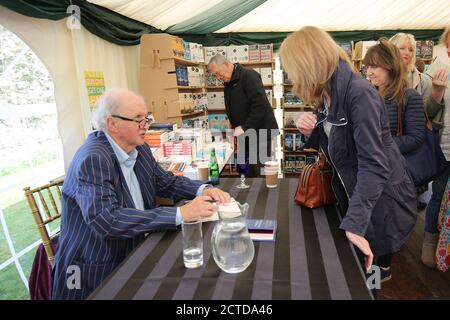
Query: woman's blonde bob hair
(445, 35)
(310, 56)
(400, 39)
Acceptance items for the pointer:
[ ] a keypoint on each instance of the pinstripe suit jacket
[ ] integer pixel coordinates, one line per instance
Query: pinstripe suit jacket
(100, 225)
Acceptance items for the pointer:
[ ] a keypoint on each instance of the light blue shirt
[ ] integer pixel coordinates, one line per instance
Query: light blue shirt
(127, 161)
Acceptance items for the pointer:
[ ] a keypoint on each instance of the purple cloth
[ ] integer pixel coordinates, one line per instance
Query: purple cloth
(40, 282)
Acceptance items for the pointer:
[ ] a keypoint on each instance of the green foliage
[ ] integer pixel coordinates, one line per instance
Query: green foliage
(37, 159)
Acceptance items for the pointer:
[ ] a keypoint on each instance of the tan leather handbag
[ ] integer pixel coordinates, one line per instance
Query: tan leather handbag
(314, 184)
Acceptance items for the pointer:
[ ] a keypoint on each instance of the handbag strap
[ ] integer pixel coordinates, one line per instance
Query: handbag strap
(428, 123)
(399, 120)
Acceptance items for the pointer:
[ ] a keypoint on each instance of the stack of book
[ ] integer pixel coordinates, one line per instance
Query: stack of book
(291, 100)
(176, 167)
(296, 163)
(293, 142)
(177, 148)
(262, 229)
(155, 138)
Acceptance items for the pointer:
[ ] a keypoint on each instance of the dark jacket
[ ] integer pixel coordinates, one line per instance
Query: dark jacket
(374, 191)
(413, 121)
(246, 101)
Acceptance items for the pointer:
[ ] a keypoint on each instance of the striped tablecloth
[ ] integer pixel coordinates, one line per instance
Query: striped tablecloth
(310, 259)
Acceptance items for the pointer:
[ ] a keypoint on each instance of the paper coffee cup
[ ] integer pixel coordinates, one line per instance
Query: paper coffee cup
(203, 171)
(271, 173)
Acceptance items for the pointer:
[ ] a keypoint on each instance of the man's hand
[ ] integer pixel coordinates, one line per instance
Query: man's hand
(217, 194)
(363, 245)
(200, 207)
(238, 131)
(306, 123)
(439, 84)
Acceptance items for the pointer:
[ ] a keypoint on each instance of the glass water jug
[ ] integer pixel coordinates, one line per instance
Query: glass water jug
(232, 247)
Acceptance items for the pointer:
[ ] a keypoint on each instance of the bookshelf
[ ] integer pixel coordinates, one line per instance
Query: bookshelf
(165, 59)
(177, 88)
(162, 61)
(295, 157)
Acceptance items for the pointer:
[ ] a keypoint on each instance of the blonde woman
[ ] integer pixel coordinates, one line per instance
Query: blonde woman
(431, 90)
(351, 126)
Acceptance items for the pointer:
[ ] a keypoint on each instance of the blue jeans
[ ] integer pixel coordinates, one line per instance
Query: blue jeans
(432, 213)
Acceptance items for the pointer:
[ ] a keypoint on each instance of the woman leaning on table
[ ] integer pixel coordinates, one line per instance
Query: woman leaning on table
(374, 191)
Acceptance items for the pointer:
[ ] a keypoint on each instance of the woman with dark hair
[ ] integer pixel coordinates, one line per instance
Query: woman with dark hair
(386, 71)
(351, 126)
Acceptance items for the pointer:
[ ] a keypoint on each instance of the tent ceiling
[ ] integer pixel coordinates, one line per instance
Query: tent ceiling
(344, 15)
(290, 15)
(160, 14)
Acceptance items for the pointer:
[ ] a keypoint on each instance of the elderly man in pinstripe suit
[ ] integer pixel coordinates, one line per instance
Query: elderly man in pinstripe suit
(109, 197)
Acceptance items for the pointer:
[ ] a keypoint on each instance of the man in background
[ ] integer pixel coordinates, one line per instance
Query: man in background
(247, 107)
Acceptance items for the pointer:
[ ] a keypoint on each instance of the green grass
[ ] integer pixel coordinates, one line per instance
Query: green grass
(22, 228)
(37, 159)
(12, 287)
(23, 232)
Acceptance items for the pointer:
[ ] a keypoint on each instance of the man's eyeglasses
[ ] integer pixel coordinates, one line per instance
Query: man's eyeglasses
(142, 123)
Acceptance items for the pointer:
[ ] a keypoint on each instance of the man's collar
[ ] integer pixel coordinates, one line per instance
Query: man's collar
(235, 75)
(121, 155)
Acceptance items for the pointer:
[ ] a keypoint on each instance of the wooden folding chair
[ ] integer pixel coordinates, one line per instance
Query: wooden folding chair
(43, 198)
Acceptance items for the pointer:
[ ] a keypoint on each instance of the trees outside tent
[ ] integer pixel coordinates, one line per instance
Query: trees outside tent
(30, 155)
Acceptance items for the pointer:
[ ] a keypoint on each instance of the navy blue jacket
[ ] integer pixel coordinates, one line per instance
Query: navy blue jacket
(373, 188)
(100, 225)
(413, 121)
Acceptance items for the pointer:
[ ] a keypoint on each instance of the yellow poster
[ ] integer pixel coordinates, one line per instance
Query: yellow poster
(95, 84)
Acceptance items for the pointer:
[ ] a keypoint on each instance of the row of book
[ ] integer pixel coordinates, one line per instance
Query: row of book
(296, 163)
(212, 81)
(293, 142)
(291, 100)
(189, 76)
(177, 148)
(235, 53)
(217, 122)
(265, 73)
(192, 102)
(155, 138)
(187, 50)
(243, 53)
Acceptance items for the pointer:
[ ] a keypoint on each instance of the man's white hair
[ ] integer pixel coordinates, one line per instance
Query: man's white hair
(219, 59)
(110, 102)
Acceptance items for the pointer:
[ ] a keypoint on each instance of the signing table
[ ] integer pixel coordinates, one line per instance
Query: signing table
(310, 259)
